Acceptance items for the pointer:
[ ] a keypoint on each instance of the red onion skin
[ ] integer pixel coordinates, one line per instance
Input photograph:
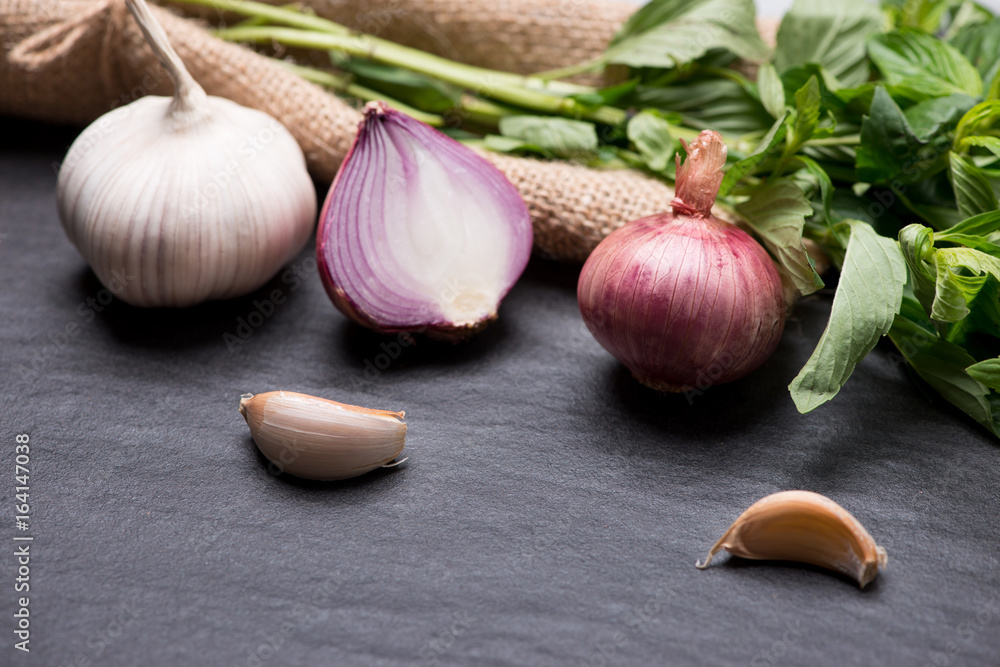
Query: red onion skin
(685, 301)
(449, 333)
(344, 303)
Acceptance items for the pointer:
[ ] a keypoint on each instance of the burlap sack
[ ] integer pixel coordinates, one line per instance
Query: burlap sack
(72, 60)
(523, 36)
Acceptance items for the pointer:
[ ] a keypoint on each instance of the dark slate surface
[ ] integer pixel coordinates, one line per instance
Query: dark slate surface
(551, 511)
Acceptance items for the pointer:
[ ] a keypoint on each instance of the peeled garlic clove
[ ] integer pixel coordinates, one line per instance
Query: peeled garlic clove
(418, 232)
(178, 200)
(316, 438)
(804, 527)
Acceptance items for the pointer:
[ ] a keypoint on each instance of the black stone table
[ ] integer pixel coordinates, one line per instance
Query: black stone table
(551, 511)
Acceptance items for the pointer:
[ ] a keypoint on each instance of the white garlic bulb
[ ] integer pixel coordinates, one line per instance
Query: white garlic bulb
(178, 200)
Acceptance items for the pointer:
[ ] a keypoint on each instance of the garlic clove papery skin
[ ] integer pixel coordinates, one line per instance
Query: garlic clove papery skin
(173, 201)
(316, 438)
(803, 527)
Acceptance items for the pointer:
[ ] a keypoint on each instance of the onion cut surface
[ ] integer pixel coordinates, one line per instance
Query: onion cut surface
(418, 232)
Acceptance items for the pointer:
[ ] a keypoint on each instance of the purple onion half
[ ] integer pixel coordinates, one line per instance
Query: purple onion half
(418, 233)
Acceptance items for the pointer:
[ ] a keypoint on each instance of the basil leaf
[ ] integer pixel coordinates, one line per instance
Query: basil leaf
(499, 144)
(943, 366)
(748, 165)
(987, 372)
(560, 136)
(937, 115)
(717, 104)
(919, 66)
(420, 91)
(776, 211)
(979, 225)
(649, 132)
(917, 244)
(940, 278)
(954, 295)
(970, 241)
(825, 187)
(889, 149)
(860, 97)
(666, 33)
(983, 317)
(993, 90)
(980, 44)
(932, 199)
(966, 16)
(829, 88)
(937, 217)
(772, 91)
(923, 14)
(992, 144)
(806, 113)
(973, 193)
(867, 298)
(978, 119)
(831, 34)
(607, 95)
(953, 289)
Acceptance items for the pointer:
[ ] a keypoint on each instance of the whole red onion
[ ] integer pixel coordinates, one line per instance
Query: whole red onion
(683, 299)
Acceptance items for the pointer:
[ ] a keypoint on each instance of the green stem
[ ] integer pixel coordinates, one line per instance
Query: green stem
(570, 70)
(845, 140)
(255, 21)
(783, 162)
(486, 112)
(726, 73)
(283, 15)
(344, 85)
(791, 151)
(310, 22)
(475, 109)
(481, 81)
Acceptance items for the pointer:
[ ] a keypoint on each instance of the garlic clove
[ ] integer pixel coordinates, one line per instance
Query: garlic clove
(316, 438)
(803, 527)
(173, 201)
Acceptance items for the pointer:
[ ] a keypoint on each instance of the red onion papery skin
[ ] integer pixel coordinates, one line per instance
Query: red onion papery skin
(380, 171)
(683, 299)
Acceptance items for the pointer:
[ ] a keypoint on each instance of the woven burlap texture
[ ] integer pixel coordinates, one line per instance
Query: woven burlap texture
(523, 36)
(70, 61)
(91, 56)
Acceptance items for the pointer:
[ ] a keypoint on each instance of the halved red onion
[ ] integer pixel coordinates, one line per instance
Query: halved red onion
(418, 232)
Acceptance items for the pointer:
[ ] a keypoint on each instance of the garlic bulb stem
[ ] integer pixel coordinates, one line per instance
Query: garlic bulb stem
(188, 95)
